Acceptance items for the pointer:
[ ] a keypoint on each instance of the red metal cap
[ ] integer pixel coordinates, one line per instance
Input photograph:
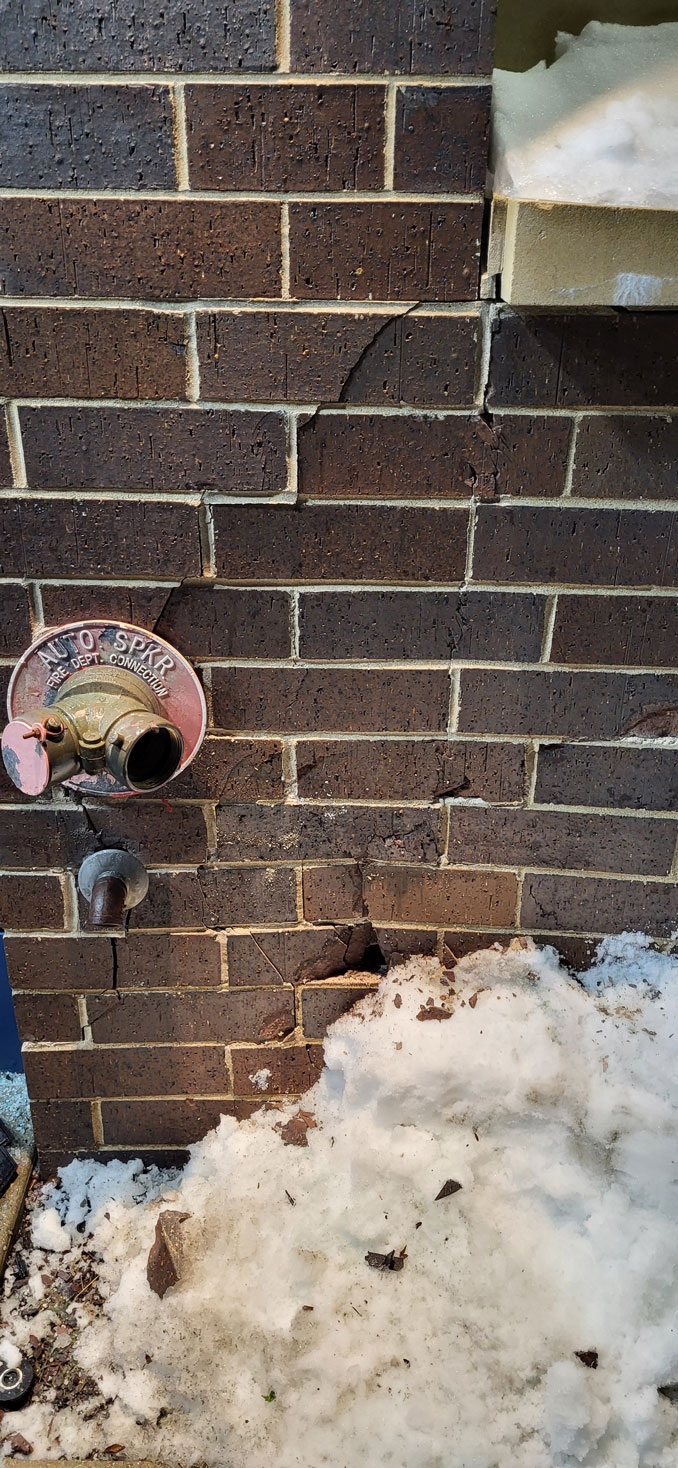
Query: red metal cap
(25, 757)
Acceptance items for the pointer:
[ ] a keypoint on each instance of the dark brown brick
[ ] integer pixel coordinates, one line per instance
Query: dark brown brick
(165, 250)
(459, 945)
(155, 448)
(398, 944)
(136, 36)
(50, 352)
(333, 893)
(6, 476)
(320, 1007)
(331, 543)
(400, 769)
(62, 1124)
(426, 626)
(638, 779)
(530, 456)
(162, 1123)
(75, 538)
(312, 833)
(71, 602)
(439, 895)
(578, 360)
(50, 1160)
(441, 139)
(51, 1017)
(385, 252)
(15, 624)
(29, 902)
(207, 621)
(235, 895)
(359, 36)
(562, 705)
(633, 631)
(294, 1068)
(66, 137)
(561, 839)
(132, 1070)
(174, 900)
(286, 137)
(290, 700)
(39, 837)
(233, 769)
(592, 547)
(291, 956)
(599, 905)
(333, 357)
(209, 1016)
(154, 833)
(626, 458)
(145, 961)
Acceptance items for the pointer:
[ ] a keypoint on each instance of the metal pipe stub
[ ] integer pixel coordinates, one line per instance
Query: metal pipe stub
(111, 881)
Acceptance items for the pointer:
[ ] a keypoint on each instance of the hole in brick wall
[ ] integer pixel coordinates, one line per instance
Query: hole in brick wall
(373, 960)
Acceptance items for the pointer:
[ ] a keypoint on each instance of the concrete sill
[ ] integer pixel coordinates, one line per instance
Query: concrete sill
(544, 254)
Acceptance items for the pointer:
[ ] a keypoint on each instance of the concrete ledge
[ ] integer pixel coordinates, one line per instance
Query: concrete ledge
(12, 1205)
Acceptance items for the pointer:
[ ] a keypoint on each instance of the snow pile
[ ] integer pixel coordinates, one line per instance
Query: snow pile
(599, 126)
(554, 1105)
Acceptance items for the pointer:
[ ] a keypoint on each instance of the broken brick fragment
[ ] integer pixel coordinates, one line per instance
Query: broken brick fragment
(165, 1259)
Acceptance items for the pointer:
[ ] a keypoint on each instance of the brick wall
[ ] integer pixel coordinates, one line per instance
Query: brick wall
(419, 546)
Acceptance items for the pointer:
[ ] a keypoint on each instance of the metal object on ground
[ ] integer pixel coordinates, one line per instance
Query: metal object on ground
(112, 882)
(16, 1385)
(103, 707)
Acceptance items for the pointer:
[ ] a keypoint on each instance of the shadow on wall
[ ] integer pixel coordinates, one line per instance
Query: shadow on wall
(526, 32)
(10, 1049)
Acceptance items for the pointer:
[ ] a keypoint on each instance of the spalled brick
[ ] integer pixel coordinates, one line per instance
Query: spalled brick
(233, 769)
(15, 624)
(442, 895)
(311, 833)
(236, 895)
(574, 360)
(592, 547)
(441, 136)
(30, 903)
(626, 458)
(294, 955)
(176, 1018)
(320, 1007)
(331, 357)
(126, 1070)
(207, 621)
(55, 137)
(154, 249)
(62, 1124)
(633, 631)
(561, 839)
(72, 602)
(47, 352)
(426, 626)
(166, 1123)
(328, 543)
(76, 538)
(155, 448)
(399, 769)
(563, 705)
(385, 252)
(599, 905)
(285, 137)
(144, 961)
(636, 779)
(333, 893)
(136, 36)
(293, 1069)
(52, 1017)
(297, 700)
(431, 38)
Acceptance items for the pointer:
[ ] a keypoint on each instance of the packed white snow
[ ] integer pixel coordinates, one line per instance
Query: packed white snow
(553, 1103)
(599, 126)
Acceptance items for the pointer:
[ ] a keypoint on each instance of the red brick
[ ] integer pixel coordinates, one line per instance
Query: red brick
(578, 360)
(15, 623)
(430, 38)
(538, 838)
(86, 137)
(563, 705)
(208, 621)
(142, 38)
(599, 905)
(421, 626)
(368, 357)
(439, 895)
(344, 542)
(638, 779)
(233, 769)
(72, 602)
(333, 893)
(637, 631)
(441, 138)
(285, 137)
(126, 1070)
(385, 251)
(626, 458)
(180, 1018)
(155, 448)
(62, 1124)
(47, 1017)
(144, 961)
(168, 1123)
(46, 351)
(29, 902)
(400, 769)
(290, 700)
(591, 547)
(320, 1007)
(294, 1068)
(168, 250)
(291, 956)
(312, 833)
(90, 538)
(236, 895)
